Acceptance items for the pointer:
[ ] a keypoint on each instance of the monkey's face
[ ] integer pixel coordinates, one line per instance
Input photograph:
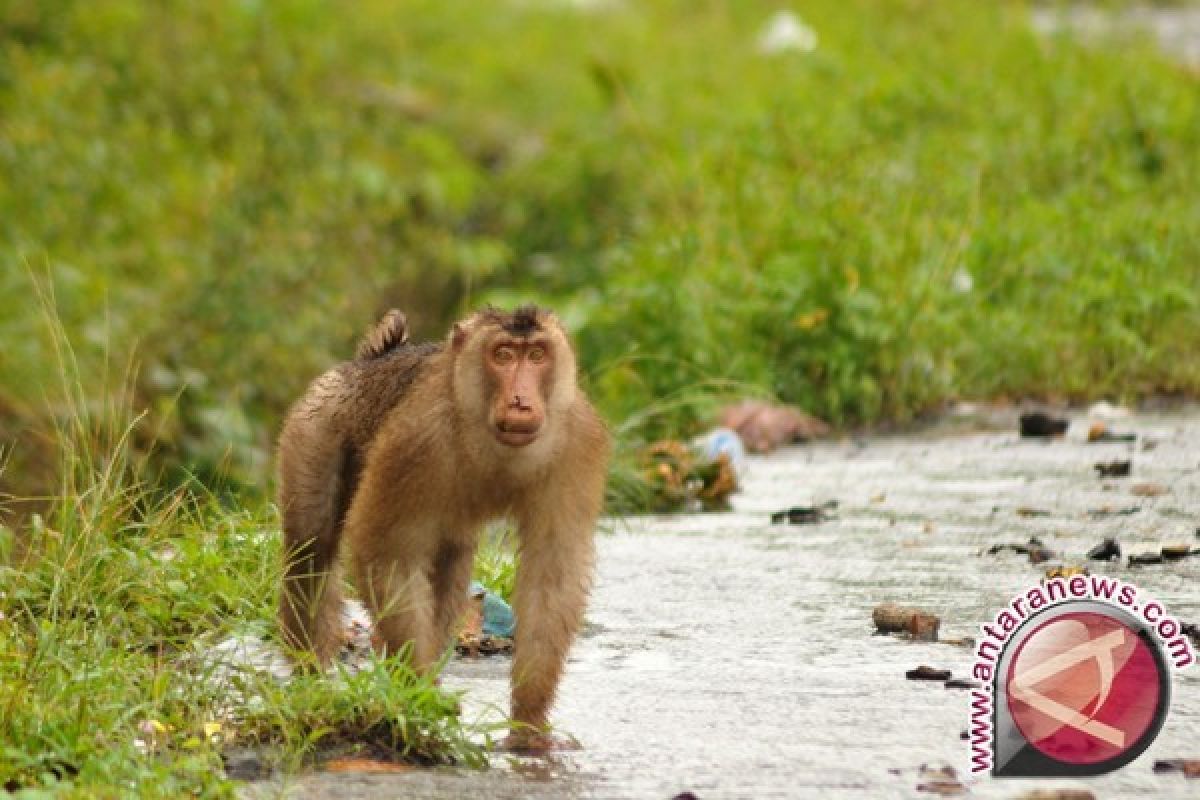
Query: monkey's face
(519, 373)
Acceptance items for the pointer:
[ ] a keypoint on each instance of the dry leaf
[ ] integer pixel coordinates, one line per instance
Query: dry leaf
(365, 765)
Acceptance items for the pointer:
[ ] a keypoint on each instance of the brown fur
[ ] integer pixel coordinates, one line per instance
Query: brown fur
(397, 454)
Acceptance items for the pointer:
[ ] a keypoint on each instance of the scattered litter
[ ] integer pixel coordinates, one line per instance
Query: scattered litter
(1037, 424)
(1174, 552)
(1107, 550)
(1022, 549)
(919, 624)
(471, 646)
(941, 781)
(1192, 631)
(962, 683)
(1109, 511)
(1057, 794)
(764, 426)
(1107, 411)
(681, 478)
(1025, 511)
(1168, 552)
(784, 32)
(488, 625)
(1148, 489)
(724, 441)
(1038, 553)
(1190, 767)
(1065, 571)
(927, 673)
(1100, 432)
(805, 515)
(1113, 469)
(498, 617)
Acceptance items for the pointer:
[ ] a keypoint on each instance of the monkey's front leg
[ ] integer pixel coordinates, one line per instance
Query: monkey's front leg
(552, 587)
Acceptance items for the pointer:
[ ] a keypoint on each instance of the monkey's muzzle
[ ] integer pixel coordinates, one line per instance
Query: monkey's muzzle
(517, 433)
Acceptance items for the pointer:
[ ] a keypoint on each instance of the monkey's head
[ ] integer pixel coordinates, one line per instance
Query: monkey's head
(515, 371)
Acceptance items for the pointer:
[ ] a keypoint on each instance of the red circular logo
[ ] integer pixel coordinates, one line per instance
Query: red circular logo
(1084, 688)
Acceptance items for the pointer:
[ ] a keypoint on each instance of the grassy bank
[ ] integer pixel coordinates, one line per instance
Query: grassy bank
(117, 612)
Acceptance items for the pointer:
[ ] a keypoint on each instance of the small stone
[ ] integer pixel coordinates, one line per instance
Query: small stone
(1040, 555)
(1143, 559)
(1113, 469)
(1058, 794)
(919, 624)
(1190, 767)
(1148, 489)
(1037, 424)
(962, 683)
(1107, 550)
(1174, 552)
(245, 764)
(927, 673)
(804, 515)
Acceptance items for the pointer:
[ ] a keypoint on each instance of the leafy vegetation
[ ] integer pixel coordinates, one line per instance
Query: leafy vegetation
(216, 198)
(932, 203)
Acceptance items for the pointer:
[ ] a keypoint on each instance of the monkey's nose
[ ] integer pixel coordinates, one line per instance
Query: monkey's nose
(519, 403)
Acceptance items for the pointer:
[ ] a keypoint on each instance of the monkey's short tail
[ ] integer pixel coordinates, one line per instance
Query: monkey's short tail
(388, 334)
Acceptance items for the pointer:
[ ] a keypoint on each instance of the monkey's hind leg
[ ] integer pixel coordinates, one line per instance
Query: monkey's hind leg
(315, 488)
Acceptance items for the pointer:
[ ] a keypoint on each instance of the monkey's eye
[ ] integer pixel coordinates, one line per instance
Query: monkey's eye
(504, 355)
(537, 354)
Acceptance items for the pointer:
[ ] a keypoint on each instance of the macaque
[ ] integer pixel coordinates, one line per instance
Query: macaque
(406, 452)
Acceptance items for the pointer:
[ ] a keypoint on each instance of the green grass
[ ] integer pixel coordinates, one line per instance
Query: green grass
(232, 190)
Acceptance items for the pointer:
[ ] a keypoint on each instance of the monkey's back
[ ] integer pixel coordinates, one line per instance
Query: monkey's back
(374, 386)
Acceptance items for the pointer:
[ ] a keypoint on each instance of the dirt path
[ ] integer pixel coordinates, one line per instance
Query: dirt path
(733, 658)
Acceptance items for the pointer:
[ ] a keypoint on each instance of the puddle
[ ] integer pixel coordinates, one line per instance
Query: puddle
(732, 658)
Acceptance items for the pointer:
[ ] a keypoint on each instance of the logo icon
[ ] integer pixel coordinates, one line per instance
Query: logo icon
(1081, 689)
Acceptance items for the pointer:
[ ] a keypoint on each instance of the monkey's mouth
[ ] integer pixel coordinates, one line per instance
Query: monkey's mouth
(516, 434)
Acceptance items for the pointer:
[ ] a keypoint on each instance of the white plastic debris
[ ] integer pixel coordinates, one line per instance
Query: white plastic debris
(962, 281)
(1107, 411)
(725, 441)
(784, 32)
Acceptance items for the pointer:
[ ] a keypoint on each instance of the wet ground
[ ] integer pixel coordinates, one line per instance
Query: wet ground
(730, 657)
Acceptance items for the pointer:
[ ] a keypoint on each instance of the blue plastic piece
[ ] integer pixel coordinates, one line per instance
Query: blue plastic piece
(498, 617)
